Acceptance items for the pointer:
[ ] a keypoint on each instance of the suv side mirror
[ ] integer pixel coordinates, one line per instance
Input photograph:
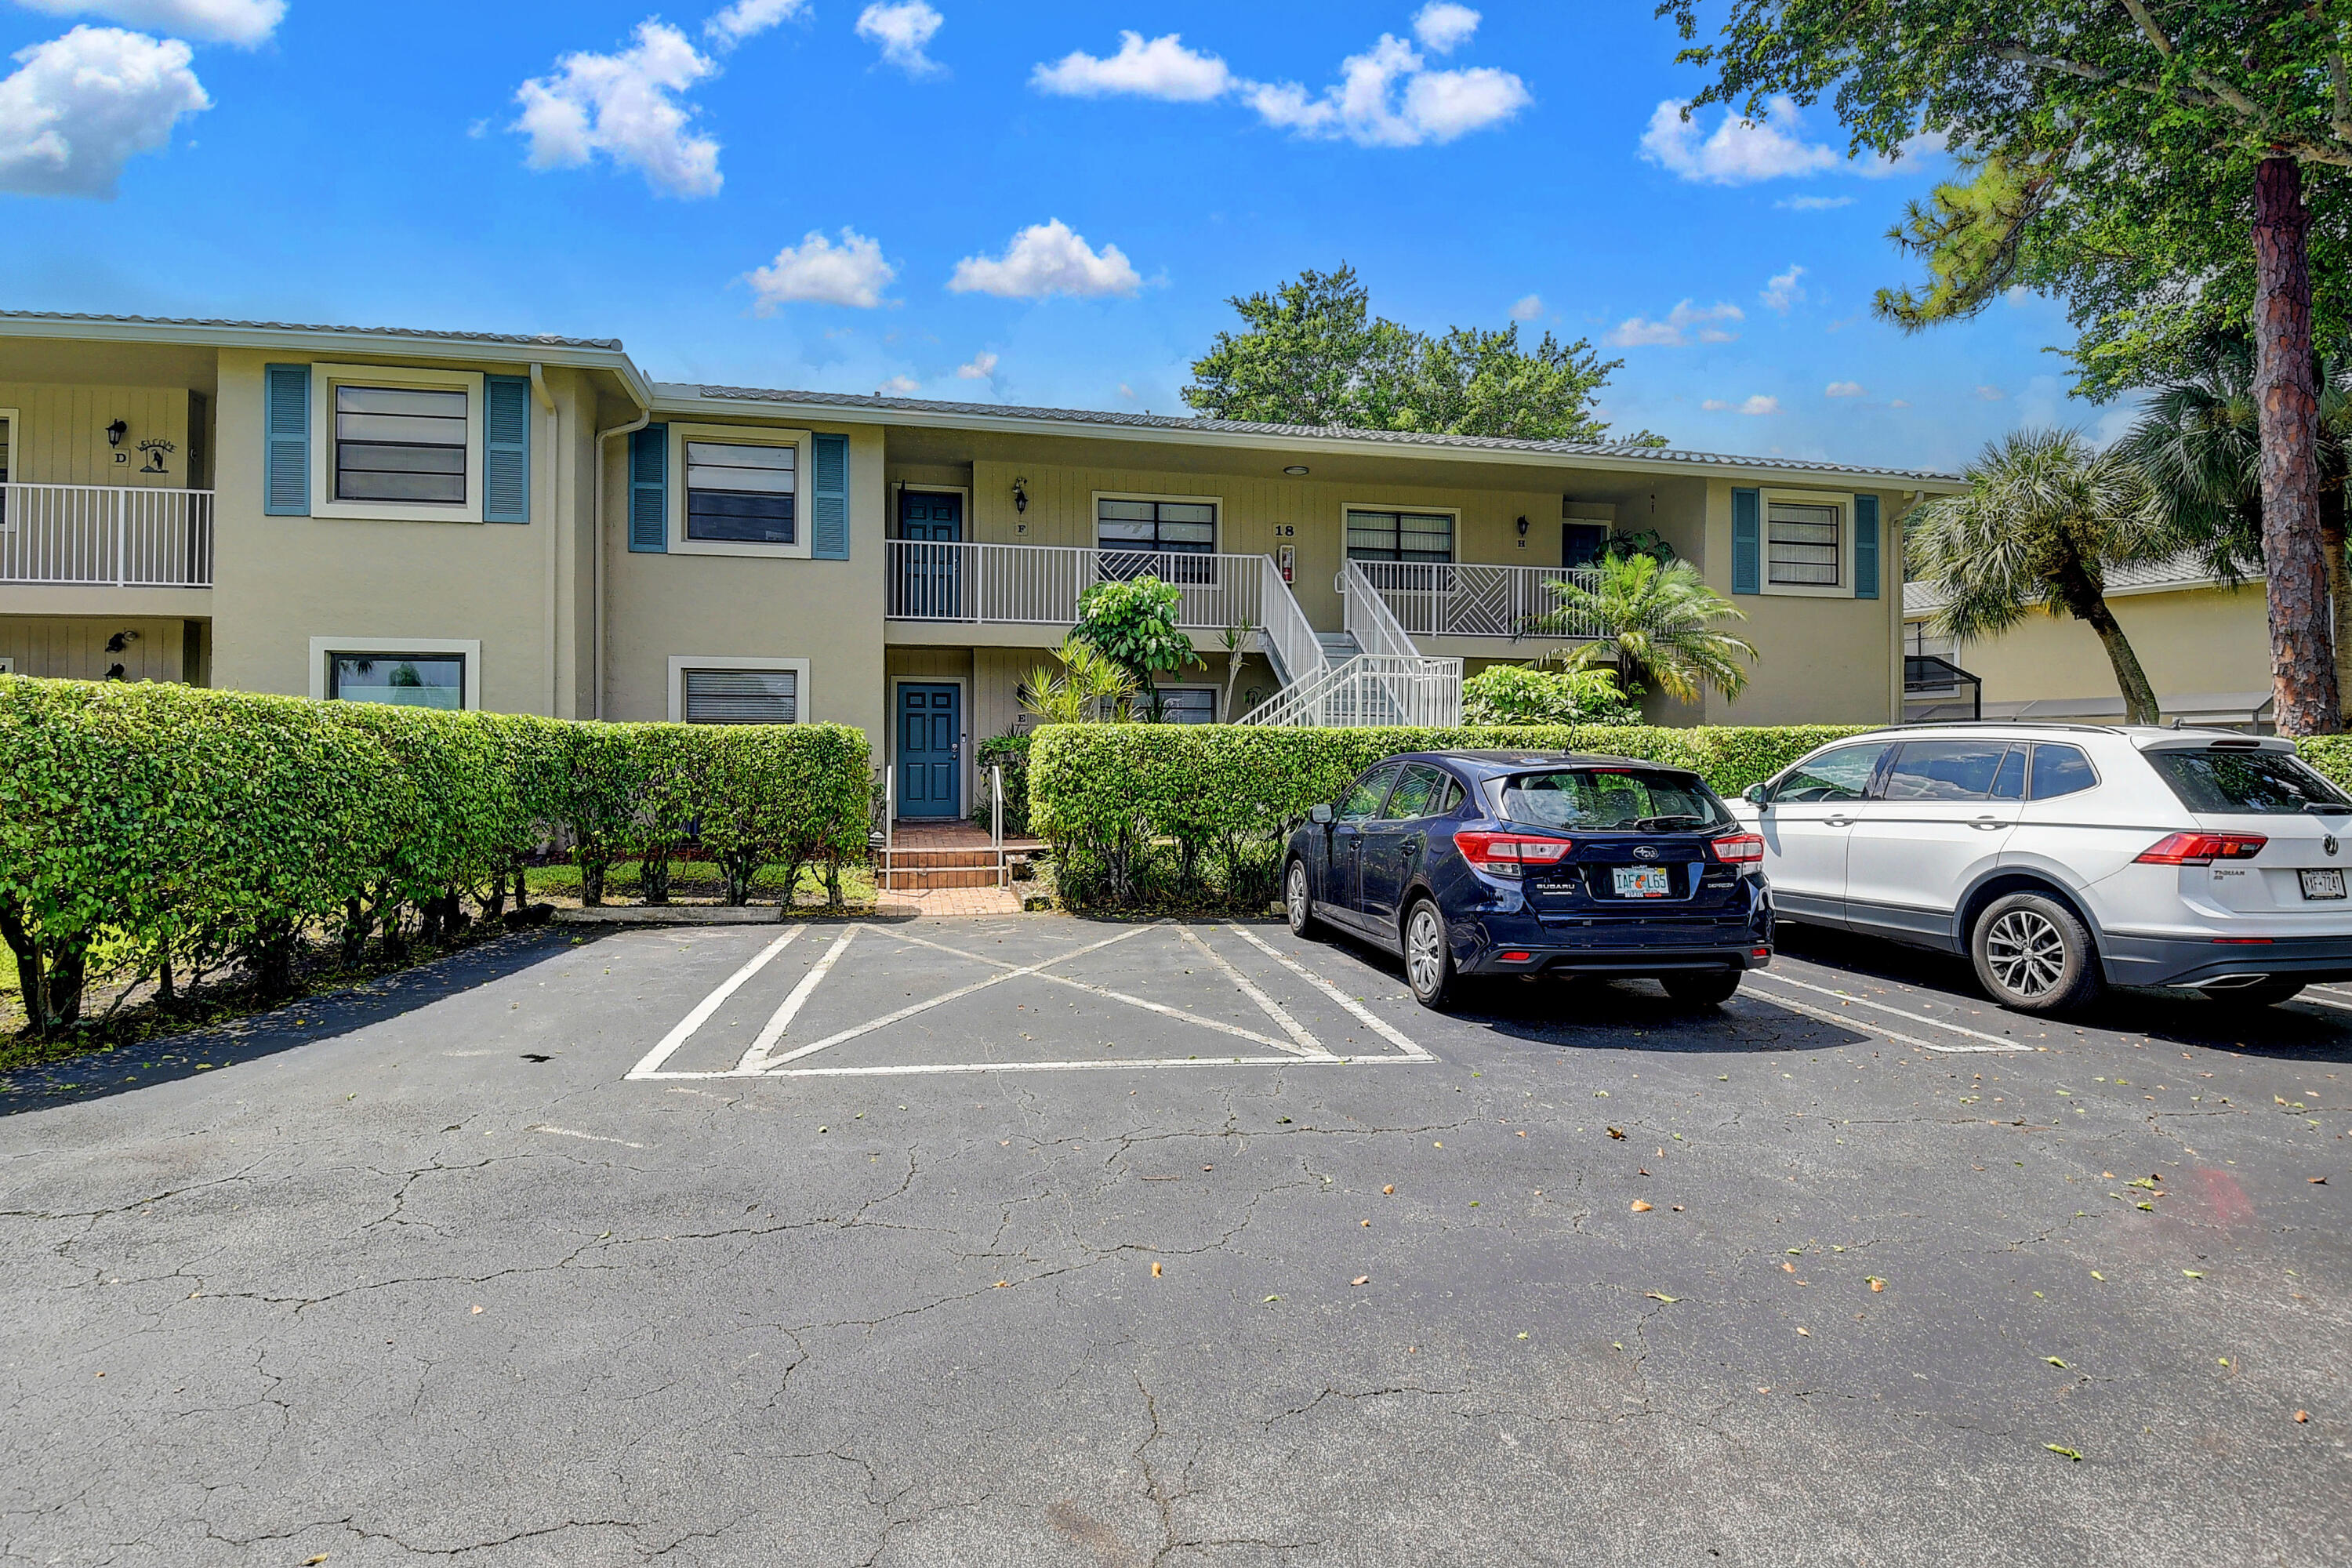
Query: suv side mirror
(1320, 815)
(1757, 794)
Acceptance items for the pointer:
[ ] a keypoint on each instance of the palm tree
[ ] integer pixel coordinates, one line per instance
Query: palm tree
(2043, 519)
(2200, 443)
(1653, 620)
(1090, 688)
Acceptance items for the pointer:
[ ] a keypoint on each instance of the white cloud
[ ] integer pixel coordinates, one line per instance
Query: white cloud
(1739, 152)
(1443, 26)
(1529, 309)
(1685, 323)
(817, 271)
(1047, 258)
(624, 106)
(1387, 98)
(1760, 404)
(1162, 69)
(748, 18)
(246, 21)
(898, 386)
(902, 28)
(1715, 405)
(981, 367)
(1842, 389)
(1990, 393)
(77, 107)
(1782, 291)
(1813, 204)
(1900, 403)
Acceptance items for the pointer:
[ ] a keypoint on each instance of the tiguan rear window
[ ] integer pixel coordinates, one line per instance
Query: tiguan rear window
(1601, 800)
(2244, 783)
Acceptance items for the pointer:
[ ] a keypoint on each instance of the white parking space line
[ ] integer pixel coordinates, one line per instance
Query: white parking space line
(2336, 999)
(1992, 1042)
(762, 1059)
(756, 1059)
(1870, 1026)
(652, 1060)
(1370, 1019)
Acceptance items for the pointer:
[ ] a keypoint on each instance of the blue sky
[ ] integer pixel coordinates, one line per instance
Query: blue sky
(1014, 203)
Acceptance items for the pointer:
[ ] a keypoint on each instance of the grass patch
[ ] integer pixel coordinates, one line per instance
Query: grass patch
(623, 883)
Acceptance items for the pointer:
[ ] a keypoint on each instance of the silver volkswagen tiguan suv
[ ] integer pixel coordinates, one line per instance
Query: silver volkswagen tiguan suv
(2063, 858)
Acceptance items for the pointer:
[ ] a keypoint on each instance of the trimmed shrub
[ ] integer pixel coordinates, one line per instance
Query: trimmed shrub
(1196, 815)
(2331, 754)
(189, 828)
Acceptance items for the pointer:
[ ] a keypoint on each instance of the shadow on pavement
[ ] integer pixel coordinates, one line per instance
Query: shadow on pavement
(303, 1022)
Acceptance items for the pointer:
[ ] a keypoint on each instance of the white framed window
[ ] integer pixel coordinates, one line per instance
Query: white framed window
(1390, 533)
(395, 443)
(1188, 704)
(1148, 535)
(739, 490)
(733, 691)
(1808, 543)
(443, 673)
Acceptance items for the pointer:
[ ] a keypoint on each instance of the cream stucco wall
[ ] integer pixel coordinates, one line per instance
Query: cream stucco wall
(2204, 641)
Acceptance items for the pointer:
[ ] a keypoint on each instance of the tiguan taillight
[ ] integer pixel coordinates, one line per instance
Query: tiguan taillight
(2202, 848)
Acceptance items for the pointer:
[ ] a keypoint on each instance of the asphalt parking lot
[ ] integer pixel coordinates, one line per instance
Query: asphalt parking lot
(1044, 1241)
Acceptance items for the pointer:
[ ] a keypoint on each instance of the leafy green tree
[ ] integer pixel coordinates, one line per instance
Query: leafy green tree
(1527, 694)
(2199, 446)
(1312, 353)
(2157, 162)
(2043, 519)
(1132, 623)
(1655, 621)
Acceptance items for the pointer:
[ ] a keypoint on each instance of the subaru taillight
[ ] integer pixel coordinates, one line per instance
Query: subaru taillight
(2202, 848)
(1741, 849)
(1510, 854)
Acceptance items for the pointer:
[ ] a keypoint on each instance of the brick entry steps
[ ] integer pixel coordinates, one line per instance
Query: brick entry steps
(928, 857)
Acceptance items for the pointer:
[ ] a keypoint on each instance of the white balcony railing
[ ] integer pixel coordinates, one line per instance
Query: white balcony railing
(106, 536)
(1029, 584)
(1371, 688)
(1432, 598)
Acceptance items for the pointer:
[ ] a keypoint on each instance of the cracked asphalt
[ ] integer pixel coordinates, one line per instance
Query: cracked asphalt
(418, 1275)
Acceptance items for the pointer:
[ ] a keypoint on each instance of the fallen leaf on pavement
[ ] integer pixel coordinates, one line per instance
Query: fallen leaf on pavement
(2316, 1181)
(2053, 1361)
(1616, 1131)
(2302, 1416)
(478, 1309)
(1678, 1208)
(2192, 1274)
(1790, 1267)
(1389, 1190)
(1269, 1298)
(1660, 1296)
(1876, 1283)
(1361, 1279)
(2064, 1453)
(1807, 1332)
(1001, 1285)
(1155, 1271)
(1640, 1207)
(1368, 1225)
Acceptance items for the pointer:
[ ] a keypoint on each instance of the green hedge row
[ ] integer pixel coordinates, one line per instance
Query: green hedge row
(2331, 754)
(1148, 813)
(199, 827)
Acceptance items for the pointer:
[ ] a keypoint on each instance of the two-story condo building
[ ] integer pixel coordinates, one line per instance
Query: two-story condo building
(529, 524)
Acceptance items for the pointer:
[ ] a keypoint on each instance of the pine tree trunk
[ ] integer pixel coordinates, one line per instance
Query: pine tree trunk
(2303, 655)
(2139, 698)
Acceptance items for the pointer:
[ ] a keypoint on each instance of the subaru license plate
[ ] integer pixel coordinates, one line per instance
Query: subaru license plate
(1643, 882)
(2323, 884)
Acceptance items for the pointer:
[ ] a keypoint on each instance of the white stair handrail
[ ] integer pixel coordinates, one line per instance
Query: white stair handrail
(1289, 634)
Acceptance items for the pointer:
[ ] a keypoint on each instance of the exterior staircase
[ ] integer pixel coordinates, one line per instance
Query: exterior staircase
(924, 857)
(1369, 674)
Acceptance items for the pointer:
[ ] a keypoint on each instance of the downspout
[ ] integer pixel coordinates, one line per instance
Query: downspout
(597, 529)
(555, 511)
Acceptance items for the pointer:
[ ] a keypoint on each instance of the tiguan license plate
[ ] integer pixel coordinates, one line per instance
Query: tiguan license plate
(2323, 884)
(1650, 882)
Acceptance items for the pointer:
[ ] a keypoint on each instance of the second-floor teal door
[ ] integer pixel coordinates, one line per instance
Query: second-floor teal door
(928, 583)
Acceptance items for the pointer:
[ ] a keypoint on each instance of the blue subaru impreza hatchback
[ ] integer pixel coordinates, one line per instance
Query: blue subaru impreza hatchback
(1485, 864)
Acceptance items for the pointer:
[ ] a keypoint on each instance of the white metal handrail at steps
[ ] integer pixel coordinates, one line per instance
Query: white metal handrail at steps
(1444, 598)
(109, 536)
(1289, 635)
(1040, 584)
(1371, 688)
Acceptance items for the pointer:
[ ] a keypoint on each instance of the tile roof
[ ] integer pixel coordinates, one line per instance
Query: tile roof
(1295, 432)
(545, 339)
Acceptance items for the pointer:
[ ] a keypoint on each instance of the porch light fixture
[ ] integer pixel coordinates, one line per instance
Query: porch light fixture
(1296, 470)
(116, 432)
(1021, 495)
(1523, 528)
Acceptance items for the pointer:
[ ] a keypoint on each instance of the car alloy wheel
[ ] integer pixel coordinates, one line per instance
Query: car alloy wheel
(2026, 952)
(1428, 962)
(1295, 903)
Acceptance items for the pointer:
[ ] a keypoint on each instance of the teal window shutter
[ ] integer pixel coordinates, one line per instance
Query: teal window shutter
(1747, 541)
(649, 490)
(285, 425)
(829, 499)
(505, 449)
(1865, 547)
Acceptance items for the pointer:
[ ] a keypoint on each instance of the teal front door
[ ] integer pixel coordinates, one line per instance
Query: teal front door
(930, 751)
(928, 583)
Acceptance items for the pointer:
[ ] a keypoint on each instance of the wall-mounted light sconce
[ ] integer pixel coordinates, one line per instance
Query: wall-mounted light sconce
(116, 432)
(1296, 470)
(1021, 495)
(1523, 528)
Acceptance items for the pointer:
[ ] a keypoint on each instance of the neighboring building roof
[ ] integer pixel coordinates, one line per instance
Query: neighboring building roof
(610, 345)
(2180, 573)
(1168, 422)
